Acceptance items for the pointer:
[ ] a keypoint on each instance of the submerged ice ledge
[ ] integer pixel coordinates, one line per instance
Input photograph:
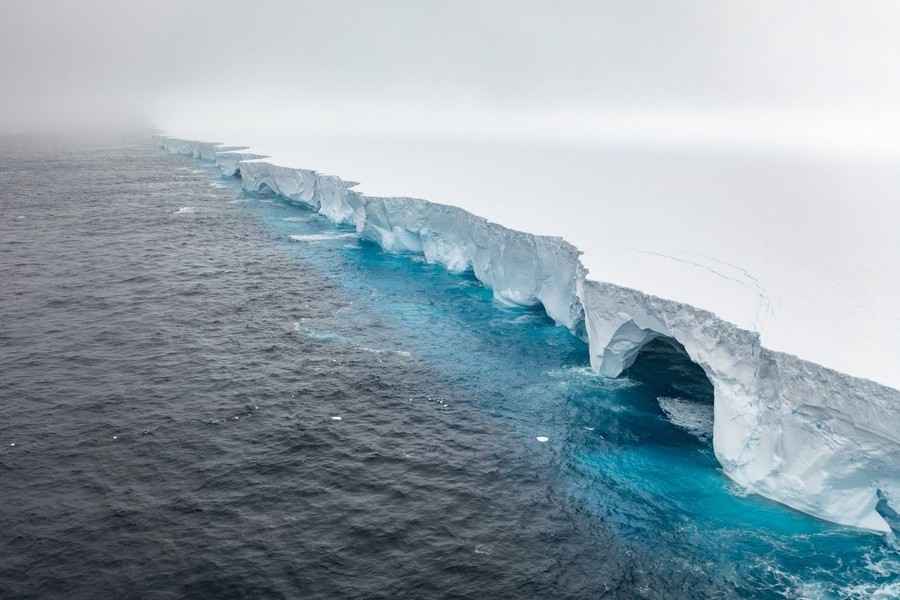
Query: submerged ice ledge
(822, 442)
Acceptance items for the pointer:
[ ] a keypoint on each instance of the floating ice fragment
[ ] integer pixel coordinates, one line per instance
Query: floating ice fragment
(321, 237)
(186, 210)
(694, 417)
(115, 437)
(335, 418)
(542, 439)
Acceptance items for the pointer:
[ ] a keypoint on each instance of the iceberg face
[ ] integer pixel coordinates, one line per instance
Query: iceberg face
(828, 443)
(326, 194)
(820, 441)
(521, 269)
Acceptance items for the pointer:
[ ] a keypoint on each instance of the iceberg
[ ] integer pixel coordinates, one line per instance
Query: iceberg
(799, 433)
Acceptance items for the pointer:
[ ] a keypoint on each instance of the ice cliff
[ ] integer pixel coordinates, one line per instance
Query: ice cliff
(228, 161)
(822, 442)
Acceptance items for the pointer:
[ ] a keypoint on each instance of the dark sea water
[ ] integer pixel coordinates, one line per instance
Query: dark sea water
(208, 395)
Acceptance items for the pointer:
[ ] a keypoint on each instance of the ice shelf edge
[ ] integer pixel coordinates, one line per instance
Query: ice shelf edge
(820, 441)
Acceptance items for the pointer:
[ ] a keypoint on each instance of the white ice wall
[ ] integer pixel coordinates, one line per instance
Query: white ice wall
(794, 431)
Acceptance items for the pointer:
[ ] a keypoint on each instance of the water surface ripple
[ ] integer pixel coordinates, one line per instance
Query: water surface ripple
(207, 395)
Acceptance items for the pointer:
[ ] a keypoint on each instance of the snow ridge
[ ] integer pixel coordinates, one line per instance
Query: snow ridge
(820, 441)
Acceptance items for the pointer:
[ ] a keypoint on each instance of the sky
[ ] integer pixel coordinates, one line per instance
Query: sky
(761, 137)
(818, 75)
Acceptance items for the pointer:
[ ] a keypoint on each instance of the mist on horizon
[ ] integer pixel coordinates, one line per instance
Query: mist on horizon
(810, 76)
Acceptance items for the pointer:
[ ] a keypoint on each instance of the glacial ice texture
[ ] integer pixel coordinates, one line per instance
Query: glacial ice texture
(799, 433)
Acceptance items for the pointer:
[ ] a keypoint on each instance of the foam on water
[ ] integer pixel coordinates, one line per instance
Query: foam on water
(314, 334)
(402, 353)
(694, 417)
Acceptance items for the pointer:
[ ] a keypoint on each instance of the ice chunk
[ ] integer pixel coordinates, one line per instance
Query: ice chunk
(694, 417)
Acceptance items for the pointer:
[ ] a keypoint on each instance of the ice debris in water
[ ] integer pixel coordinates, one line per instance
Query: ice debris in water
(542, 439)
(694, 417)
(336, 418)
(321, 237)
(186, 210)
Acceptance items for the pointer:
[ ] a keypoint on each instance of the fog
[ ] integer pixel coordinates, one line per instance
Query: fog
(809, 75)
(758, 135)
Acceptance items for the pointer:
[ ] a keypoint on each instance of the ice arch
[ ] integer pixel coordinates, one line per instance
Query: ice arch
(664, 365)
(783, 427)
(620, 322)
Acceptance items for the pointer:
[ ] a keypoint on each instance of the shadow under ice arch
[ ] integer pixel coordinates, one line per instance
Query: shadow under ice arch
(783, 427)
(620, 322)
(820, 441)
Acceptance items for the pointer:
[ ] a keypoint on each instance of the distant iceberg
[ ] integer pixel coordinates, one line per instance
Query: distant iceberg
(822, 442)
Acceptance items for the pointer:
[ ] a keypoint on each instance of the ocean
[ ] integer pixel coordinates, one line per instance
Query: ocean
(205, 394)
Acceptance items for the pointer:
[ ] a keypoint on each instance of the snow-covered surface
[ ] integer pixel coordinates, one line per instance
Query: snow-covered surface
(729, 252)
(803, 249)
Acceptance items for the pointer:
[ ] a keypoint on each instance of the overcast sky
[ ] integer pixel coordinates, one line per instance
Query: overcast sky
(741, 68)
(643, 83)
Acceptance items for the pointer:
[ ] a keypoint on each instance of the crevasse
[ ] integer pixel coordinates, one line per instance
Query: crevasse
(820, 441)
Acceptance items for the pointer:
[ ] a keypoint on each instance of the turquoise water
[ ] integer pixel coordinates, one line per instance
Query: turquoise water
(619, 457)
(210, 395)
